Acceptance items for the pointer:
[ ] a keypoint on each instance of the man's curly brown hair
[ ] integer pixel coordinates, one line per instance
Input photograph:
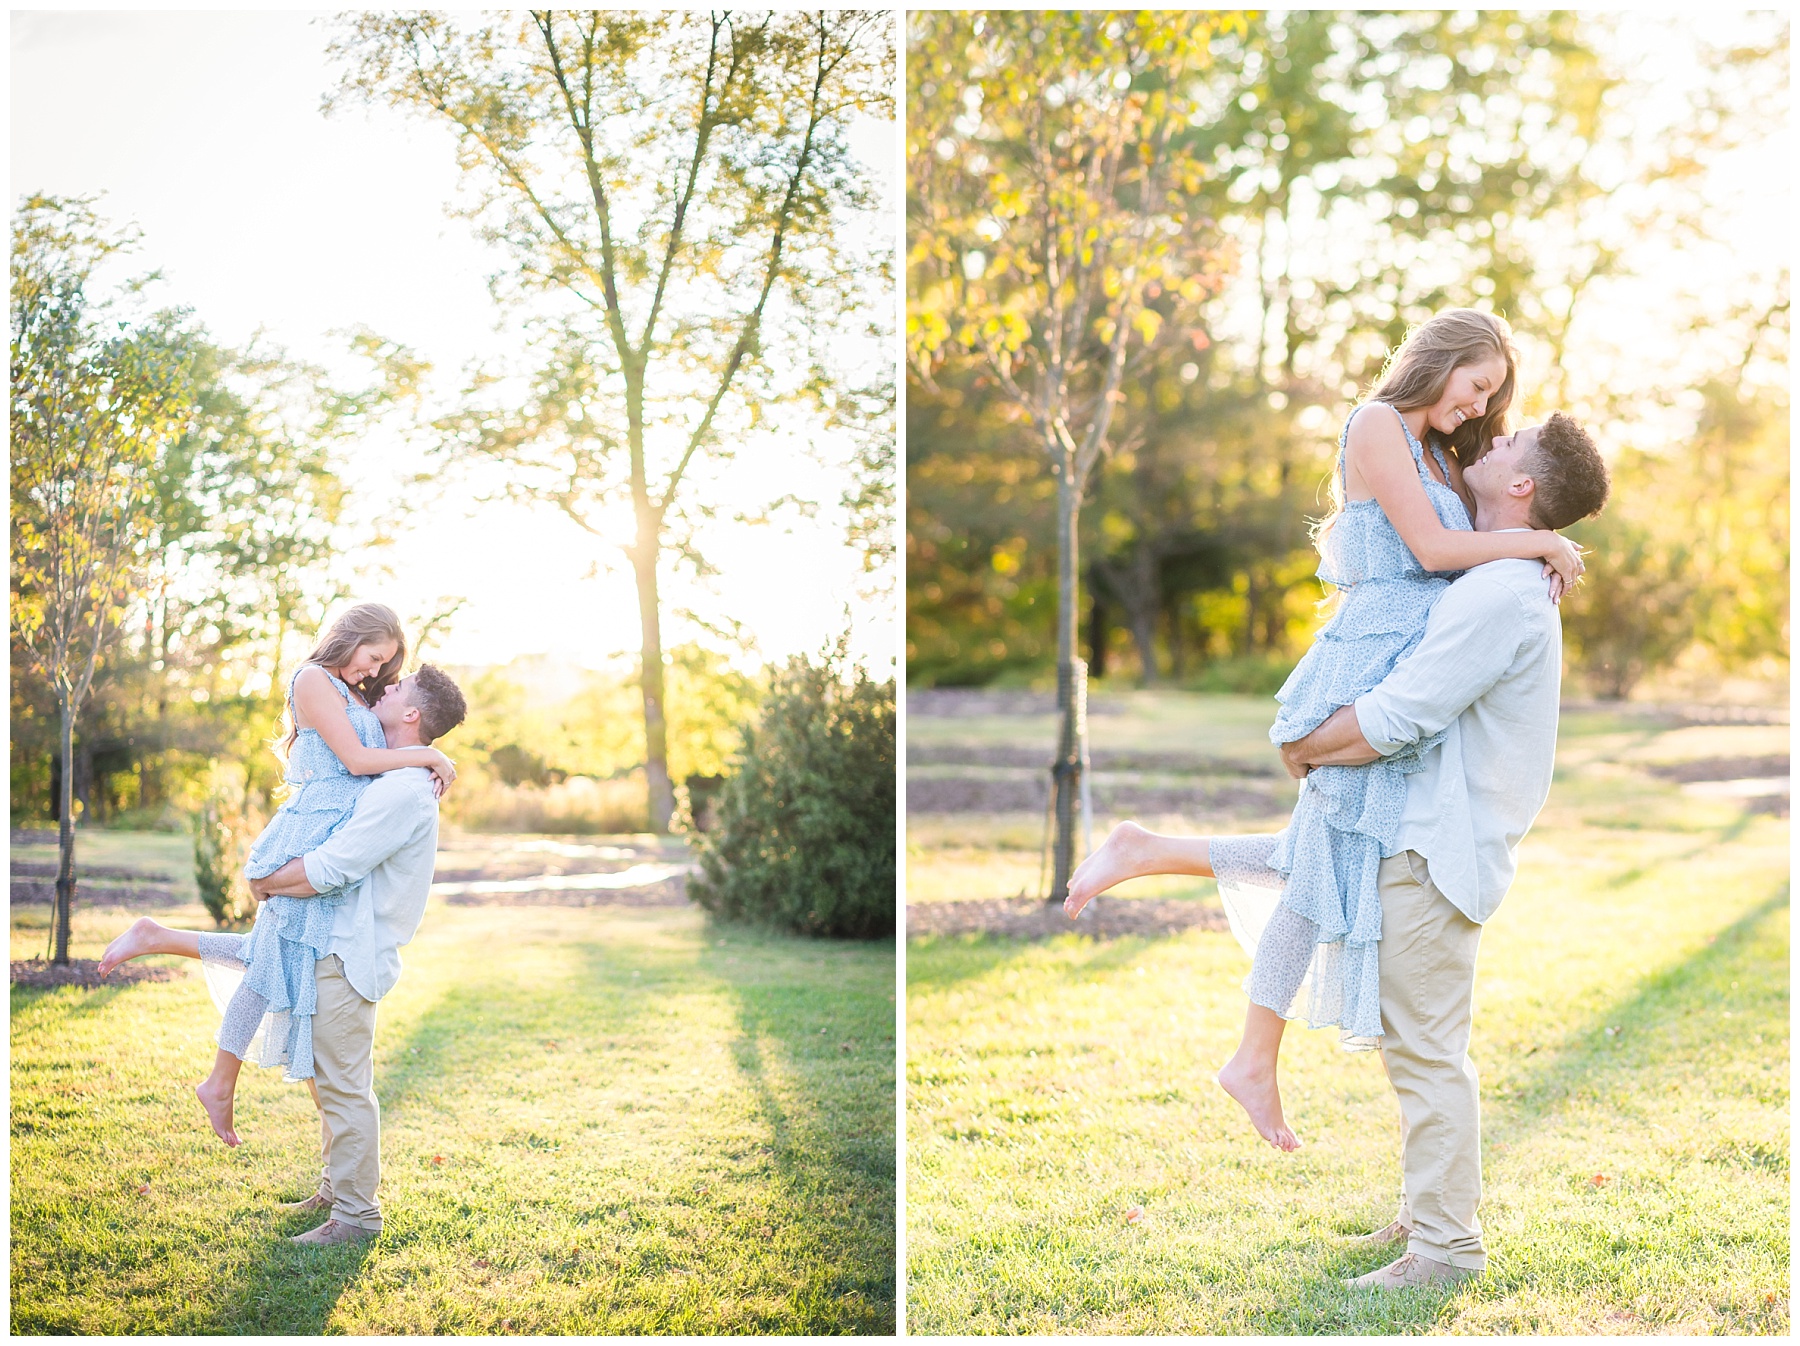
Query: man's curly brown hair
(1566, 469)
(438, 700)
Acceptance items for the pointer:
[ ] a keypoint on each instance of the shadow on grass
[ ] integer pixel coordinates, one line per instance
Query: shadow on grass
(77, 1002)
(286, 1289)
(832, 1139)
(1667, 1019)
(1727, 834)
(952, 959)
(827, 1190)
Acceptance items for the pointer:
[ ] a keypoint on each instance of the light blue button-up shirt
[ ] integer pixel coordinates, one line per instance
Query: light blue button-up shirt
(1488, 672)
(388, 850)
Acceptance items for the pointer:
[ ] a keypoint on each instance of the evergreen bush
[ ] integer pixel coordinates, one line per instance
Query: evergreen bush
(804, 838)
(224, 829)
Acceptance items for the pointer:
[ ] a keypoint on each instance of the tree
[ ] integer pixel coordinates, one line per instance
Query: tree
(670, 188)
(1055, 199)
(92, 405)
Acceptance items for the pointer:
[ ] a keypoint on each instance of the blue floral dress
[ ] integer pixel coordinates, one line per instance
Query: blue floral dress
(265, 980)
(1305, 901)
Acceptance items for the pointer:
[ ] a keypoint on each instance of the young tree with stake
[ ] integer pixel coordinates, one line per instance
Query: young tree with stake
(1055, 232)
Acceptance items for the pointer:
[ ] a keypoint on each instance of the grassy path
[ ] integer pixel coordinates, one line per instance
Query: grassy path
(595, 1120)
(1632, 1033)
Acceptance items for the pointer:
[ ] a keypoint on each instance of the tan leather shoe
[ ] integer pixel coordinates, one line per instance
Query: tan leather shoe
(333, 1232)
(1410, 1271)
(1395, 1232)
(317, 1201)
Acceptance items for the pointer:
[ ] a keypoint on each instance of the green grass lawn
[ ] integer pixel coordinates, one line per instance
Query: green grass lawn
(595, 1120)
(1631, 1029)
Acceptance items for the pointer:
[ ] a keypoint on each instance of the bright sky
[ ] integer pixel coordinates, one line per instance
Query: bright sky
(204, 128)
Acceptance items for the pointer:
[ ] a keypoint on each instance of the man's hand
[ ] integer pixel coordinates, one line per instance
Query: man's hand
(288, 881)
(1338, 741)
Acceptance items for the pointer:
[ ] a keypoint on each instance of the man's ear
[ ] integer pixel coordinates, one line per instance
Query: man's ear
(1521, 487)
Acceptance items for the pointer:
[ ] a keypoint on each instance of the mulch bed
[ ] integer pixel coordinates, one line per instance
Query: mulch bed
(1027, 918)
(41, 892)
(85, 972)
(1037, 758)
(1722, 768)
(964, 702)
(1031, 794)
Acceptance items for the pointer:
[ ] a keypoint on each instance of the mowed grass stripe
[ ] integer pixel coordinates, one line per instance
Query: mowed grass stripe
(593, 1121)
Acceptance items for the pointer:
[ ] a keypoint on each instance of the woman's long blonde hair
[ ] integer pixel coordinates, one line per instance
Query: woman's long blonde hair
(1415, 374)
(361, 625)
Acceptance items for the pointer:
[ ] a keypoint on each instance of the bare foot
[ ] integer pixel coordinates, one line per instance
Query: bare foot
(217, 1102)
(1257, 1093)
(1124, 854)
(135, 941)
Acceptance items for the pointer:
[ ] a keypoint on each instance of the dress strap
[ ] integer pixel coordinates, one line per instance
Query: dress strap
(337, 682)
(1437, 452)
(1418, 450)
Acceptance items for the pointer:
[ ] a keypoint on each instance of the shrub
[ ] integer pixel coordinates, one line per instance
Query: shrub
(224, 827)
(805, 821)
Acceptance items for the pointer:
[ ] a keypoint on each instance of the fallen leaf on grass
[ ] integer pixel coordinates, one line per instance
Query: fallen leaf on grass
(482, 1263)
(701, 1191)
(1621, 1316)
(1769, 1298)
(437, 1158)
(767, 1232)
(144, 1190)
(1135, 1214)
(1599, 1180)
(845, 1046)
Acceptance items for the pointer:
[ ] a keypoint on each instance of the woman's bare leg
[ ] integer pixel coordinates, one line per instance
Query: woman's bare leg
(148, 936)
(216, 1093)
(1249, 1076)
(1131, 852)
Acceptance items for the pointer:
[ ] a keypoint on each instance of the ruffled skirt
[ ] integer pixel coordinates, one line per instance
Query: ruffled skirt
(1306, 902)
(264, 983)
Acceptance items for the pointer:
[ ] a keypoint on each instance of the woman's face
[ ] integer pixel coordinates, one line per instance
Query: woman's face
(367, 661)
(1466, 394)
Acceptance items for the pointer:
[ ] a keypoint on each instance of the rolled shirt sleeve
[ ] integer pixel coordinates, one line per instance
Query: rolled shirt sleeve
(383, 820)
(1472, 637)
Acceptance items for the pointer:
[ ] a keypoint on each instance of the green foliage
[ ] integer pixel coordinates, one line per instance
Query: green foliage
(1691, 555)
(224, 829)
(1370, 168)
(805, 835)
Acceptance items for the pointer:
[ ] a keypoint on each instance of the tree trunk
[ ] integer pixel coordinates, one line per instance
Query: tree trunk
(1065, 772)
(65, 863)
(656, 725)
(1145, 600)
(1097, 626)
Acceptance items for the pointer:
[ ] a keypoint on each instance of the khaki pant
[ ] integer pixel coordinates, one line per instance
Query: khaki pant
(1428, 952)
(344, 1074)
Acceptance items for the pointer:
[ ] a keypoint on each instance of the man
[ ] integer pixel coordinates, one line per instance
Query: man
(386, 851)
(1488, 672)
